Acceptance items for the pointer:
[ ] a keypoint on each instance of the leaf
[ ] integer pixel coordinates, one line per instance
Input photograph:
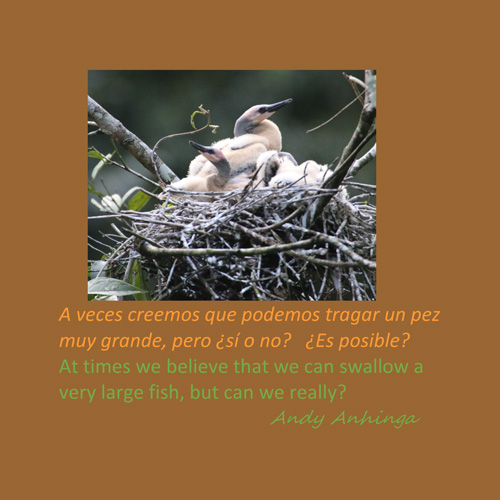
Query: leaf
(138, 201)
(93, 153)
(199, 111)
(109, 203)
(111, 286)
(101, 164)
(97, 269)
(102, 297)
(192, 118)
(137, 279)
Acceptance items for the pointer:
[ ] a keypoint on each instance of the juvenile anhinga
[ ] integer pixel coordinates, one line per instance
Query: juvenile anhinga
(254, 134)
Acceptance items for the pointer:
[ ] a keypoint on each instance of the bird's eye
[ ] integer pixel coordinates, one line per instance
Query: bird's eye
(263, 109)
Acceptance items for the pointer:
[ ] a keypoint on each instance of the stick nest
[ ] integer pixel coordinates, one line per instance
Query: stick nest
(251, 244)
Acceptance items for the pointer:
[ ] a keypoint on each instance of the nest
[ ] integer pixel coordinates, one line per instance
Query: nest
(251, 244)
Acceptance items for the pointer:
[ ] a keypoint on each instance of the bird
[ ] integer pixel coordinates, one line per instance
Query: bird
(254, 134)
(226, 178)
(270, 162)
(278, 169)
(255, 122)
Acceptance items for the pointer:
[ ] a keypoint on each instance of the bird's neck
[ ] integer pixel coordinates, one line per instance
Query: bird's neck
(266, 128)
(223, 171)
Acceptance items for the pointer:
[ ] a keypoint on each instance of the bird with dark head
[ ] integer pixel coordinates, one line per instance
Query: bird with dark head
(222, 177)
(254, 134)
(255, 121)
(218, 180)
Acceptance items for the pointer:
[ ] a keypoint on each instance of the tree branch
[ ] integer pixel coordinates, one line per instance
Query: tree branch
(361, 162)
(137, 148)
(146, 248)
(365, 130)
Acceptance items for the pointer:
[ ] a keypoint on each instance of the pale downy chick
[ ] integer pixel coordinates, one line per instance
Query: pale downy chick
(269, 163)
(308, 172)
(254, 134)
(277, 169)
(223, 177)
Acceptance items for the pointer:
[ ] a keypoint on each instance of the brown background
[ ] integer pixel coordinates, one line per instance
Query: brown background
(435, 252)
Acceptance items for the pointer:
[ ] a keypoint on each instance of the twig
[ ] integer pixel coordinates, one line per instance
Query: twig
(154, 157)
(154, 251)
(110, 161)
(356, 81)
(337, 114)
(294, 214)
(347, 251)
(353, 79)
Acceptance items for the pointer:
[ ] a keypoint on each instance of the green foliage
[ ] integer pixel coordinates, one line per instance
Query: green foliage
(138, 201)
(113, 202)
(104, 161)
(93, 153)
(104, 288)
(137, 279)
(203, 112)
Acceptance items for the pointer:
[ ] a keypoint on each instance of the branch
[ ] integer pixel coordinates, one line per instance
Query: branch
(150, 250)
(137, 148)
(361, 162)
(365, 130)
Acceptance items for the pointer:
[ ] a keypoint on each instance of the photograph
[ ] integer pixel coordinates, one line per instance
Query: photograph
(232, 185)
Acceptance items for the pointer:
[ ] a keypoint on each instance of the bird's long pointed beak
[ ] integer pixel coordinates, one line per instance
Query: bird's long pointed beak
(271, 108)
(201, 148)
